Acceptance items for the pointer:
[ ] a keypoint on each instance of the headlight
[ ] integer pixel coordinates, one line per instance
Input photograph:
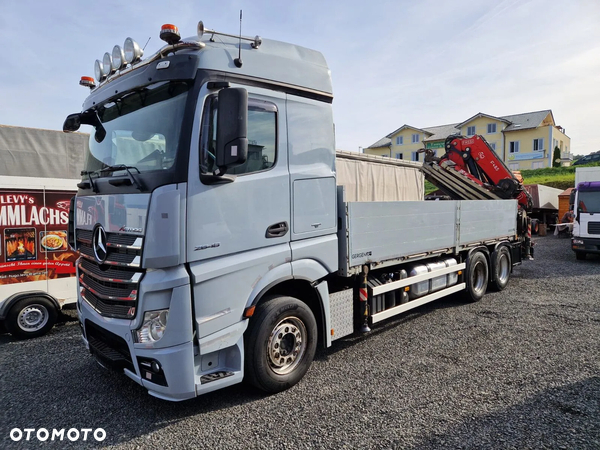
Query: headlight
(153, 327)
(577, 241)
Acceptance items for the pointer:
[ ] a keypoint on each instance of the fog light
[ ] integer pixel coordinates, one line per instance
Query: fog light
(153, 326)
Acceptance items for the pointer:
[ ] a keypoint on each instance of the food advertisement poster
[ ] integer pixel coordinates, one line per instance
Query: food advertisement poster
(33, 229)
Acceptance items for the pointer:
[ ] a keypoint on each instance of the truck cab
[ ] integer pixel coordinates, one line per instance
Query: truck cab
(586, 226)
(206, 184)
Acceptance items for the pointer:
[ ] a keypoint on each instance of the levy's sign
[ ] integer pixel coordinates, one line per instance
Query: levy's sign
(31, 210)
(33, 233)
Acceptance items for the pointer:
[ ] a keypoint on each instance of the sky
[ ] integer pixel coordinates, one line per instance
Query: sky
(393, 62)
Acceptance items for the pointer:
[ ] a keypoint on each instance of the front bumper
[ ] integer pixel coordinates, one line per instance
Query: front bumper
(166, 373)
(586, 245)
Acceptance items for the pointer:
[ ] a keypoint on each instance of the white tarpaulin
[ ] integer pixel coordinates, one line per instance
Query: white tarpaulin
(33, 152)
(375, 179)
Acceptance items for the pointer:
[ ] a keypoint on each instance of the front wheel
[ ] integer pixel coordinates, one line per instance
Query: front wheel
(31, 317)
(477, 276)
(280, 345)
(580, 256)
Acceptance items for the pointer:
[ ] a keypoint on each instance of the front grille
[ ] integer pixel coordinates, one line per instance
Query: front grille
(111, 349)
(593, 227)
(114, 239)
(111, 288)
(108, 290)
(109, 273)
(110, 308)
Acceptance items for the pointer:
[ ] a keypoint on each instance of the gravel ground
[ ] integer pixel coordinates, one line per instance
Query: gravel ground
(519, 369)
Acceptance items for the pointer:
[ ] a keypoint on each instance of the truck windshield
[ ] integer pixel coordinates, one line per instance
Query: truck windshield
(142, 128)
(588, 201)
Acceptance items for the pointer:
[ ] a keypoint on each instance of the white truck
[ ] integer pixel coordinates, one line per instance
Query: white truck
(220, 240)
(38, 177)
(585, 199)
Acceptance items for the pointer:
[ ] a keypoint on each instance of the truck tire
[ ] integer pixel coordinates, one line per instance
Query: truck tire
(501, 266)
(477, 276)
(580, 256)
(280, 345)
(31, 317)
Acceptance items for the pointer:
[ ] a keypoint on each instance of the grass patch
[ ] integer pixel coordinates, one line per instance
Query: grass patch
(556, 177)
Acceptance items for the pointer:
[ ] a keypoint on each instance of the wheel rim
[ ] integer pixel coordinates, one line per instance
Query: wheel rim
(33, 318)
(504, 269)
(286, 345)
(479, 277)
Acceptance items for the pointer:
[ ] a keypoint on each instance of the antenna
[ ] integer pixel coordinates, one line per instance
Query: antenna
(146, 43)
(238, 60)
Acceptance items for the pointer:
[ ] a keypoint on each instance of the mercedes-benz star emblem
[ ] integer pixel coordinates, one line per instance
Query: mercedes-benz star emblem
(99, 244)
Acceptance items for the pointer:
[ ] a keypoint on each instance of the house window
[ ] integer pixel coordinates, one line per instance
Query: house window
(399, 140)
(471, 131)
(399, 156)
(513, 166)
(415, 156)
(493, 145)
(513, 147)
(415, 138)
(538, 145)
(537, 165)
(491, 128)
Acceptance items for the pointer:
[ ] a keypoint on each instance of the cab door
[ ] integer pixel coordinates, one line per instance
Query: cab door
(238, 231)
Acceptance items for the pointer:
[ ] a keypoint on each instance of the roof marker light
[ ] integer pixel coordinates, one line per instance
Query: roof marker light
(99, 70)
(118, 57)
(170, 34)
(132, 51)
(87, 82)
(107, 67)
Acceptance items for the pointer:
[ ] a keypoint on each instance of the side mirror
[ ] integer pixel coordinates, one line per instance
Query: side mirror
(232, 127)
(572, 198)
(72, 123)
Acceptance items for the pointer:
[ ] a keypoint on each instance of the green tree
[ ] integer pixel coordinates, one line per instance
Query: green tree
(556, 157)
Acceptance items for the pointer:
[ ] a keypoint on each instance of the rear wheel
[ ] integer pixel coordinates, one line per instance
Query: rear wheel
(501, 268)
(580, 255)
(280, 345)
(477, 276)
(31, 317)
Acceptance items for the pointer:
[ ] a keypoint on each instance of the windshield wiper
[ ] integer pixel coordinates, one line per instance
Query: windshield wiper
(124, 167)
(87, 184)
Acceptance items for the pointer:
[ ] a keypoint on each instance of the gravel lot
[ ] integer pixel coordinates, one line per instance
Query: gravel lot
(520, 369)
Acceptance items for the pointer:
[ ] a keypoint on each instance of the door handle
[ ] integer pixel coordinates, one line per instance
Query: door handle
(277, 230)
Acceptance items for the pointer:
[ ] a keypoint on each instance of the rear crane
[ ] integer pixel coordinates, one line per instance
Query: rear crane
(470, 170)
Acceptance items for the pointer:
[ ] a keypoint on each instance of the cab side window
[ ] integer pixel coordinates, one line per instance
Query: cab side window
(262, 137)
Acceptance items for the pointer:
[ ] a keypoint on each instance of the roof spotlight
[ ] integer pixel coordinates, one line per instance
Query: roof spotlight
(118, 57)
(99, 70)
(132, 51)
(107, 67)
